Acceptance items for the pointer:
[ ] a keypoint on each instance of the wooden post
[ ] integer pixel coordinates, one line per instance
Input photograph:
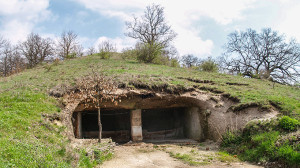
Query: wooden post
(79, 125)
(100, 125)
(136, 125)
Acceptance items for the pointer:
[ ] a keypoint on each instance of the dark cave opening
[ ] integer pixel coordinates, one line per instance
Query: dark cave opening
(164, 123)
(123, 125)
(115, 124)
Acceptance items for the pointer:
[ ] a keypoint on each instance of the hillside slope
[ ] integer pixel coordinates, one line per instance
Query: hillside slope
(29, 139)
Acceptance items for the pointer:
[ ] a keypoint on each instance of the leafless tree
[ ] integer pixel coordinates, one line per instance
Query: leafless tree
(264, 55)
(106, 48)
(2, 42)
(67, 44)
(96, 89)
(10, 60)
(91, 50)
(36, 49)
(19, 63)
(5, 57)
(78, 51)
(189, 60)
(151, 29)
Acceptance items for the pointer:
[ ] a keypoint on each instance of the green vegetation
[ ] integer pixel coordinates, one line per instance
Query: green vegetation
(288, 123)
(26, 138)
(264, 141)
(98, 157)
(225, 157)
(105, 55)
(209, 66)
(29, 139)
(149, 53)
(187, 158)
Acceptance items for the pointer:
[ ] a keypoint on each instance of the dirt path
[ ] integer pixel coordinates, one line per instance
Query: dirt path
(183, 156)
(137, 157)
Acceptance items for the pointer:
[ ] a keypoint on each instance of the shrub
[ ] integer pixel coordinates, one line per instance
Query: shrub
(106, 49)
(288, 123)
(148, 53)
(209, 66)
(129, 54)
(70, 56)
(174, 62)
(286, 152)
(230, 138)
(105, 55)
(261, 147)
(161, 60)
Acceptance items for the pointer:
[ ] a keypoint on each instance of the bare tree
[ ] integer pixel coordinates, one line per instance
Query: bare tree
(106, 49)
(36, 49)
(2, 59)
(5, 59)
(96, 89)
(151, 30)
(263, 55)
(78, 50)
(2, 42)
(10, 60)
(91, 50)
(67, 44)
(18, 62)
(189, 60)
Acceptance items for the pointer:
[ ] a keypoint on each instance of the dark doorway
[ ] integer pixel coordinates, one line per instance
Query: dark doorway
(162, 124)
(115, 124)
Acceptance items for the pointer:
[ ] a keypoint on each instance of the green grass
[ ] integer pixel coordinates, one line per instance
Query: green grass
(188, 159)
(225, 157)
(259, 91)
(28, 140)
(99, 158)
(263, 142)
(288, 123)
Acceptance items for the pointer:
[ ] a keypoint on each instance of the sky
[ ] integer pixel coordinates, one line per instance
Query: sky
(202, 26)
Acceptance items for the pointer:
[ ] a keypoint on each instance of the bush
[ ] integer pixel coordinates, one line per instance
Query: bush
(129, 54)
(105, 55)
(266, 141)
(288, 123)
(286, 152)
(174, 62)
(161, 60)
(230, 138)
(106, 49)
(148, 53)
(209, 66)
(70, 56)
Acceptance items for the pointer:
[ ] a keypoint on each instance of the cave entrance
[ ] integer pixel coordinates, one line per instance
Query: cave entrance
(163, 124)
(115, 124)
(155, 124)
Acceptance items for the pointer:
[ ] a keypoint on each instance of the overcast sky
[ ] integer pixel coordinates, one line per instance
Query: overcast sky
(202, 25)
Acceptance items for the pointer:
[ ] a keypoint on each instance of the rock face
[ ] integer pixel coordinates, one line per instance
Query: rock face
(145, 115)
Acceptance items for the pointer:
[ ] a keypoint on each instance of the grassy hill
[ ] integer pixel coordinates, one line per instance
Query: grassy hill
(29, 139)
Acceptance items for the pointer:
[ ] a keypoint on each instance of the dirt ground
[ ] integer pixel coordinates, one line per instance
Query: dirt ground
(148, 155)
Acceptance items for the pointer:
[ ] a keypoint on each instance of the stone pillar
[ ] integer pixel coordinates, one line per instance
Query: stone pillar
(136, 125)
(79, 125)
(193, 129)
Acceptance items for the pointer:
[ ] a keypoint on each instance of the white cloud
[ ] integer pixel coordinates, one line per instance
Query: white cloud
(288, 23)
(19, 17)
(181, 15)
(120, 43)
(188, 42)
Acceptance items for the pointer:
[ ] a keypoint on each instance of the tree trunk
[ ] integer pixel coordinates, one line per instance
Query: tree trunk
(100, 125)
